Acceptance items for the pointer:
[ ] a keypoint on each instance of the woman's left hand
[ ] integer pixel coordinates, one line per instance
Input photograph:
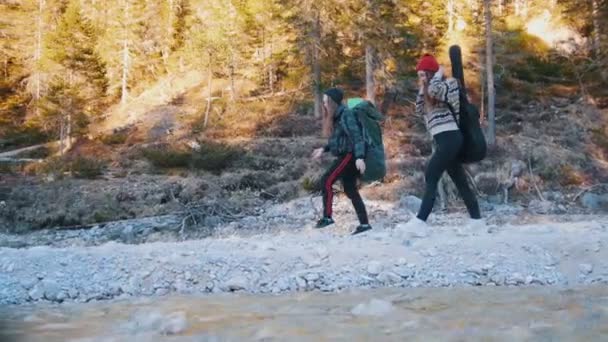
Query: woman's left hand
(360, 164)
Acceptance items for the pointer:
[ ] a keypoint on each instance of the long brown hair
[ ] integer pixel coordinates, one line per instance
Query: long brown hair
(328, 115)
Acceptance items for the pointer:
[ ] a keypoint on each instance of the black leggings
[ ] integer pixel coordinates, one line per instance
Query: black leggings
(445, 158)
(343, 168)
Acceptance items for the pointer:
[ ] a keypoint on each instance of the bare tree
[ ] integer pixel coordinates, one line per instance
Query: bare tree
(596, 27)
(451, 9)
(125, 53)
(370, 55)
(38, 51)
(370, 83)
(209, 84)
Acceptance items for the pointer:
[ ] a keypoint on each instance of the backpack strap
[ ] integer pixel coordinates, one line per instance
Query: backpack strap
(364, 133)
(452, 108)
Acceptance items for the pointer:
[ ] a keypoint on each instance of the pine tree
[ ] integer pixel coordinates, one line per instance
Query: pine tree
(77, 92)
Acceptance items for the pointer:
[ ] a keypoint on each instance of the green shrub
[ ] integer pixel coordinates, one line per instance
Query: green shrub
(23, 136)
(78, 167)
(53, 165)
(311, 185)
(167, 158)
(7, 168)
(83, 167)
(214, 157)
(114, 139)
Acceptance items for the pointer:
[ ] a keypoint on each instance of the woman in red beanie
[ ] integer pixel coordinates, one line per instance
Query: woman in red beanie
(437, 94)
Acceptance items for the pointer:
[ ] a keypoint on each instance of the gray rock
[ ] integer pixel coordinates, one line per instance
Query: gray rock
(478, 270)
(401, 261)
(554, 196)
(541, 207)
(63, 295)
(73, 293)
(285, 284)
(29, 283)
(389, 277)
(51, 290)
(236, 283)
(498, 279)
(374, 268)
(595, 202)
(212, 221)
(515, 279)
(37, 293)
(404, 272)
(210, 286)
(410, 203)
(585, 268)
(161, 291)
(301, 282)
(128, 234)
(312, 277)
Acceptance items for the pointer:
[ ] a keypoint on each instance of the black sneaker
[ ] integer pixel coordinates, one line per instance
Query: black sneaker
(362, 228)
(324, 222)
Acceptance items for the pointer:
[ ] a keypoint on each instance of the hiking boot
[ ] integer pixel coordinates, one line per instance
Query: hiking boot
(362, 228)
(324, 222)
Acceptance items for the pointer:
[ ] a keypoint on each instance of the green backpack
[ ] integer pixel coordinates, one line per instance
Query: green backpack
(369, 118)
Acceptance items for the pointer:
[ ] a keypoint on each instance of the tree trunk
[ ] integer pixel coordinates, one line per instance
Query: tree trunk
(451, 15)
(38, 52)
(501, 7)
(61, 135)
(596, 27)
(209, 80)
(316, 72)
(125, 56)
(370, 83)
(167, 46)
(263, 53)
(68, 133)
(6, 68)
(490, 75)
(482, 109)
(232, 86)
(271, 69)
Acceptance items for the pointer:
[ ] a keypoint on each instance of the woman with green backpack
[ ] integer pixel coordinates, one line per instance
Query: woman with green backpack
(348, 145)
(438, 102)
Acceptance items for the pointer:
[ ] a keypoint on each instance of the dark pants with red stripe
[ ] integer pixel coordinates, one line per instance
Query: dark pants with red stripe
(343, 168)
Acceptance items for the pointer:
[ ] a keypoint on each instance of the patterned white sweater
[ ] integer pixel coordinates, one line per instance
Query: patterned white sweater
(439, 118)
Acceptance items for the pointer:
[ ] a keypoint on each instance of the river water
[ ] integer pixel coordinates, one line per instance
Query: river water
(421, 314)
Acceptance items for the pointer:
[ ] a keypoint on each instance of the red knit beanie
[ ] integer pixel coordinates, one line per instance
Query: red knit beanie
(427, 63)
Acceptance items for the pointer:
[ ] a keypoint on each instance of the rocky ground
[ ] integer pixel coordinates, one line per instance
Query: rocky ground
(279, 251)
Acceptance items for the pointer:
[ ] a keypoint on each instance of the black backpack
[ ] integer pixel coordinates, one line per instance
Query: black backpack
(474, 147)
